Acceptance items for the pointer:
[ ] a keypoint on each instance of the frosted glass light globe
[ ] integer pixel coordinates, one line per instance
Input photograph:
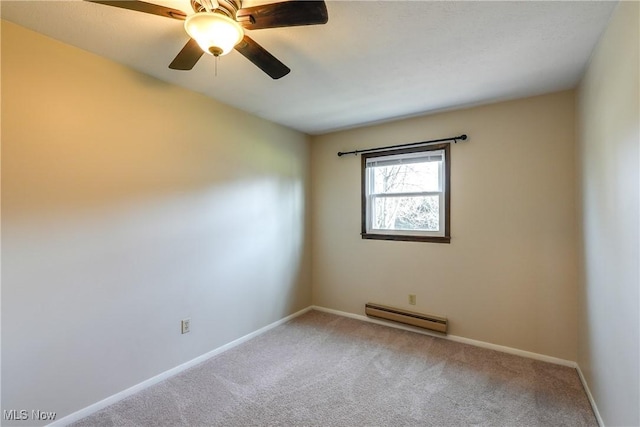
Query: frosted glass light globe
(215, 33)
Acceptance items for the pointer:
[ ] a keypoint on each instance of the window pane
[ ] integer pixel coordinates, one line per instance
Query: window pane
(406, 213)
(407, 178)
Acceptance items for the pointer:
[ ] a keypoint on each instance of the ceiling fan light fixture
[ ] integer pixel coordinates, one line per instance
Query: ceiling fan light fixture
(215, 33)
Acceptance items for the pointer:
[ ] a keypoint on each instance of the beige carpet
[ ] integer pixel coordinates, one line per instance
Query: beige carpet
(325, 370)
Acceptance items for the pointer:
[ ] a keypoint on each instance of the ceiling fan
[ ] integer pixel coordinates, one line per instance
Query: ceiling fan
(217, 26)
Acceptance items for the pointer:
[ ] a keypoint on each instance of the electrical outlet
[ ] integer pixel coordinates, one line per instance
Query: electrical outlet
(412, 299)
(186, 326)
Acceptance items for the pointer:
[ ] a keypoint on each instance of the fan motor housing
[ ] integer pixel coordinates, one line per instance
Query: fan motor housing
(226, 7)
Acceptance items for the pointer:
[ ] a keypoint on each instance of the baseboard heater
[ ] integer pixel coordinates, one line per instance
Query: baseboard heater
(425, 321)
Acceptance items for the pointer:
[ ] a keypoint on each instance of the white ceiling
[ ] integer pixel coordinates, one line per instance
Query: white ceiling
(373, 61)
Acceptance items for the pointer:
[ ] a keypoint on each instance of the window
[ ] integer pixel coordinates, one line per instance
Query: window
(406, 193)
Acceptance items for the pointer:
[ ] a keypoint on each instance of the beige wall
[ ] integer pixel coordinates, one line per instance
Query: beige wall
(509, 275)
(609, 140)
(129, 204)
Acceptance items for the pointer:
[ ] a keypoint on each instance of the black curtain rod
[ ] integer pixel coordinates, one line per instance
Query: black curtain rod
(454, 139)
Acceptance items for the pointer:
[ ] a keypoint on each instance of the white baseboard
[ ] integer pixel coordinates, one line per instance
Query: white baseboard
(85, 412)
(455, 338)
(583, 380)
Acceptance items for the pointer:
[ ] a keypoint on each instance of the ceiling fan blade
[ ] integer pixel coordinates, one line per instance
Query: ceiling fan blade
(285, 14)
(141, 6)
(262, 59)
(188, 56)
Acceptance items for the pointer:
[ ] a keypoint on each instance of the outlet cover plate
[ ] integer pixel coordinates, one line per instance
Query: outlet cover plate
(186, 326)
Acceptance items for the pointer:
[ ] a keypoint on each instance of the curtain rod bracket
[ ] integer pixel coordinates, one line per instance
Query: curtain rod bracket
(462, 137)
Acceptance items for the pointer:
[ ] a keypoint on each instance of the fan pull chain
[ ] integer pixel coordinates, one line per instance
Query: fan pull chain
(215, 66)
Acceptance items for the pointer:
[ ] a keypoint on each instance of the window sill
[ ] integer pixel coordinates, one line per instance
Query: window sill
(406, 238)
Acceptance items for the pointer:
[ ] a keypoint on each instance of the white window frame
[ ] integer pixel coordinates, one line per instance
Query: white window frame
(399, 156)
